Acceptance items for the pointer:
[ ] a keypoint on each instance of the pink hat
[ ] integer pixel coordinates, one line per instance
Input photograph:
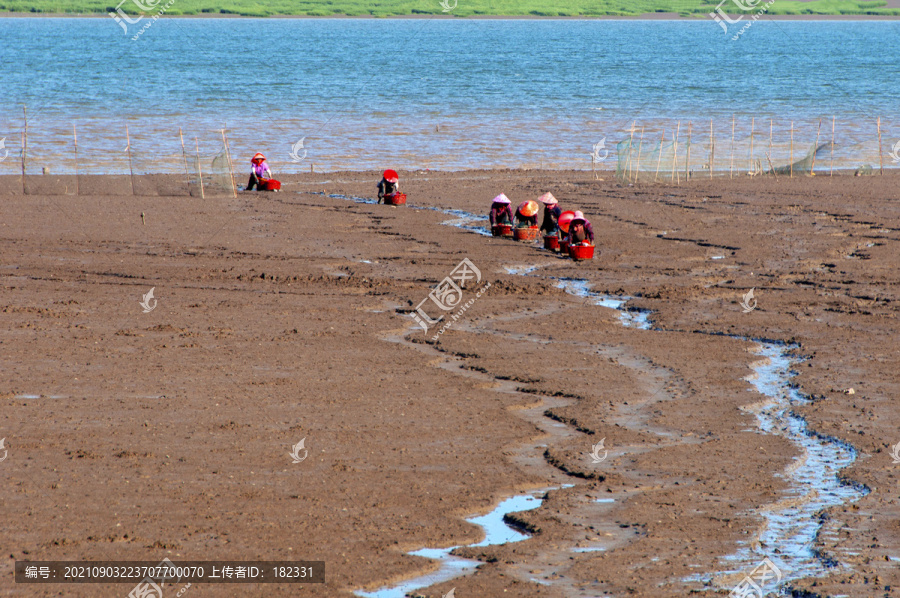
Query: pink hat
(501, 199)
(579, 215)
(548, 199)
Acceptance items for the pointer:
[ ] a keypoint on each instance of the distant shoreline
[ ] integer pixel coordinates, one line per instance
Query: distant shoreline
(644, 17)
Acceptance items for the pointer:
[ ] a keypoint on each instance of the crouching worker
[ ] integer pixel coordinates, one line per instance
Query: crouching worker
(261, 176)
(526, 215)
(580, 230)
(501, 212)
(550, 221)
(389, 185)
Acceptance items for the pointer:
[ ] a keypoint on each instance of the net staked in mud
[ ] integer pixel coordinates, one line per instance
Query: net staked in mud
(681, 160)
(760, 147)
(50, 162)
(157, 163)
(210, 175)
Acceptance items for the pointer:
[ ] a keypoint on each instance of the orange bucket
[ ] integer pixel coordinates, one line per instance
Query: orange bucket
(397, 199)
(551, 242)
(526, 233)
(502, 230)
(581, 252)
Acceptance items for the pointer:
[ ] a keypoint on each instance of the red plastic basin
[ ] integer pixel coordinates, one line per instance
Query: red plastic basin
(581, 252)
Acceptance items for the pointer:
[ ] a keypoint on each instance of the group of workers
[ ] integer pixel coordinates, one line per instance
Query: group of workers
(526, 216)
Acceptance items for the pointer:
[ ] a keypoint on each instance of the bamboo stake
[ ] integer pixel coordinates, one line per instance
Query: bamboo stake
(659, 159)
(25, 137)
(792, 149)
(771, 128)
(230, 166)
(130, 162)
(771, 166)
(199, 169)
(75, 135)
(675, 155)
(687, 162)
(640, 148)
(24, 145)
(752, 133)
(812, 168)
(630, 151)
(187, 173)
(832, 146)
(712, 149)
(732, 146)
(880, 153)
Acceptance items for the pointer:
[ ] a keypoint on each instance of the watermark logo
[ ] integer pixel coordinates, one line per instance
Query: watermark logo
(722, 18)
(124, 20)
(746, 302)
(448, 294)
(3, 448)
(6, 151)
(121, 18)
(595, 153)
(752, 585)
(295, 451)
(895, 452)
(146, 302)
(595, 452)
(295, 151)
(450, 594)
(447, 7)
(148, 588)
(894, 153)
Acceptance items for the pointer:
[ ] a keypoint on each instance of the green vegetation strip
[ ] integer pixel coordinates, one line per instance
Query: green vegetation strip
(461, 8)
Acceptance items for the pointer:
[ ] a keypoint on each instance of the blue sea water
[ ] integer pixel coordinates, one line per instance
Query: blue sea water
(430, 93)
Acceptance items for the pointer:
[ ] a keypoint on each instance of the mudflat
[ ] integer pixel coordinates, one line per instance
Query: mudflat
(140, 434)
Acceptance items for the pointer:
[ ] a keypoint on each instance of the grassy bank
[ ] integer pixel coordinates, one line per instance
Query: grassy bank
(463, 8)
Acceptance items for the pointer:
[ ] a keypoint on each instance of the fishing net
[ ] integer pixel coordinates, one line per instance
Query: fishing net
(50, 162)
(210, 174)
(671, 155)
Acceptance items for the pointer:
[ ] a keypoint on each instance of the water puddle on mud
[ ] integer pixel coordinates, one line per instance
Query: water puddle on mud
(792, 524)
(496, 532)
(630, 317)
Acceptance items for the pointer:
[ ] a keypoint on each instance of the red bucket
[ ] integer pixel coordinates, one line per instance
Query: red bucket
(581, 252)
(526, 233)
(269, 185)
(502, 230)
(397, 199)
(551, 242)
(563, 246)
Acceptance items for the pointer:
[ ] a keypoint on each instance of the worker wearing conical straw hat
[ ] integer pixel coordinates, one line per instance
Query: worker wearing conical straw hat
(580, 230)
(526, 214)
(501, 210)
(259, 171)
(550, 221)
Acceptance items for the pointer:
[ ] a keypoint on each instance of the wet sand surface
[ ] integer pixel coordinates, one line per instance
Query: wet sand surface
(285, 316)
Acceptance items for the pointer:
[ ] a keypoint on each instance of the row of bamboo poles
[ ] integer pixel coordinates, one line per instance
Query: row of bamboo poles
(131, 161)
(632, 174)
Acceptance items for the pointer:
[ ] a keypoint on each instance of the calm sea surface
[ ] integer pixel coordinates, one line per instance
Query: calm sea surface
(447, 94)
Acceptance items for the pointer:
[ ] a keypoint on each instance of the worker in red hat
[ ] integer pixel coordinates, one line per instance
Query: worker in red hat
(389, 185)
(580, 230)
(259, 171)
